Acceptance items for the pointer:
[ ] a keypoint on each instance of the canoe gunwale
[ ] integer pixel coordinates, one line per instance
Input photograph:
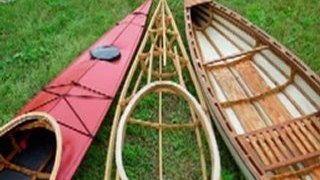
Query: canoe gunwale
(215, 107)
(54, 127)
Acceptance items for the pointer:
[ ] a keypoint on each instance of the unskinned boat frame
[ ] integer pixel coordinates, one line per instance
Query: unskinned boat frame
(163, 34)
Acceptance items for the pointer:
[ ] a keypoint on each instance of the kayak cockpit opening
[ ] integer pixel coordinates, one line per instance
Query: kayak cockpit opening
(28, 151)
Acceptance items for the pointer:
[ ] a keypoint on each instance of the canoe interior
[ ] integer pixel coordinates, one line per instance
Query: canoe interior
(270, 105)
(27, 153)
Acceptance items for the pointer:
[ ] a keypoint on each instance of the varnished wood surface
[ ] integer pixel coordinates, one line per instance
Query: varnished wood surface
(258, 84)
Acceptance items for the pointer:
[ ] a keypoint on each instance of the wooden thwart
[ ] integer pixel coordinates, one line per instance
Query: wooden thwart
(247, 53)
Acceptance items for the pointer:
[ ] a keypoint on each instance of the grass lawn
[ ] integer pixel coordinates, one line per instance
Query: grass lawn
(40, 38)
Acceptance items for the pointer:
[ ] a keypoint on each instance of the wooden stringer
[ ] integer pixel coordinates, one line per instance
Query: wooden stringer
(162, 56)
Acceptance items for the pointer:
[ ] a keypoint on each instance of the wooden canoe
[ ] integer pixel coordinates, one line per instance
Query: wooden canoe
(81, 96)
(162, 56)
(264, 99)
(30, 147)
(164, 88)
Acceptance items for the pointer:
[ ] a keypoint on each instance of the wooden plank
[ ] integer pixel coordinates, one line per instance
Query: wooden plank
(288, 142)
(304, 141)
(266, 149)
(295, 140)
(310, 136)
(286, 152)
(316, 122)
(270, 104)
(276, 150)
(310, 128)
(259, 151)
(247, 114)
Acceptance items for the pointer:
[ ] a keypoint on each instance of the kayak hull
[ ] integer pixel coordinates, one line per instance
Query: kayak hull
(81, 95)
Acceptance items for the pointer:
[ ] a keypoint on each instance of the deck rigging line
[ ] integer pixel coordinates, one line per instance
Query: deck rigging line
(74, 83)
(64, 96)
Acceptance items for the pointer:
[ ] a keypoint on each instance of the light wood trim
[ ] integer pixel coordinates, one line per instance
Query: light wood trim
(250, 52)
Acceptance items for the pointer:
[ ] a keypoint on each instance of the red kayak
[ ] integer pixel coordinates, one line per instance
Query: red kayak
(80, 97)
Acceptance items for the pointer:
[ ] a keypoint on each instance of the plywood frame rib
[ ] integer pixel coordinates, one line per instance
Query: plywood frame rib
(167, 50)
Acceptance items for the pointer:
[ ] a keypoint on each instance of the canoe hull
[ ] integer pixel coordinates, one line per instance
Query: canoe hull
(215, 108)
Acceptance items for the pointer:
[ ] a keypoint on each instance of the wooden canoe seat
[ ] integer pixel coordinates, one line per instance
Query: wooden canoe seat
(283, 145)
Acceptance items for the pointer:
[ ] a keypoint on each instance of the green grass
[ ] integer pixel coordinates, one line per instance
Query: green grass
(40, 38)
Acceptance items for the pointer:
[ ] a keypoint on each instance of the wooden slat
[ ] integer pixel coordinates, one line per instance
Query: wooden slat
(295, 140)
(288, 142)
(316, 122)
(310, 137)
(259, 151)
(311, 129)
(271, 104)
(275, 137)
(314, 143)
(304, 142)
(266, 149)
(279, 155)
(247, 114)
(284, 145)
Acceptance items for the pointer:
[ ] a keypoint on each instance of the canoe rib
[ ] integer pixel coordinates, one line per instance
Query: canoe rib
(261, 95)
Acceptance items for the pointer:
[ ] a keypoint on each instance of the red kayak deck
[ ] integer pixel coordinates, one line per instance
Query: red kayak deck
(81, 95)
